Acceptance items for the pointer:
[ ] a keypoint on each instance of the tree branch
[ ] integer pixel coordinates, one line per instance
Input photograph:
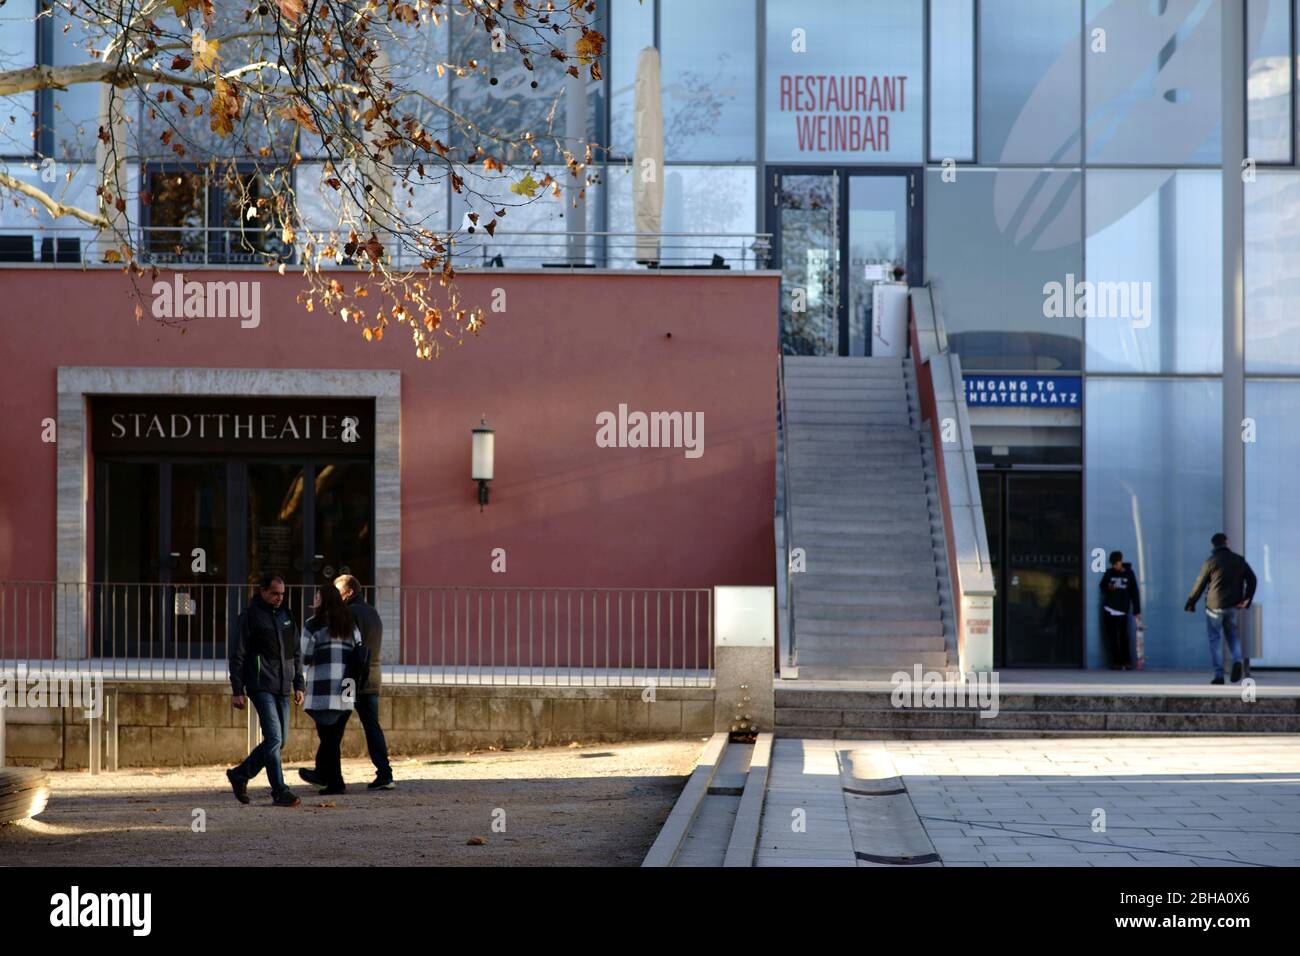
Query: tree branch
(55, 208)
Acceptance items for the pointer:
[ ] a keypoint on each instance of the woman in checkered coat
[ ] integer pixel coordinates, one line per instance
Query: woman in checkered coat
(327, 642)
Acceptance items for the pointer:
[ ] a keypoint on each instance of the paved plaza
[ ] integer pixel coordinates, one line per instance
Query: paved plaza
(1148, 801)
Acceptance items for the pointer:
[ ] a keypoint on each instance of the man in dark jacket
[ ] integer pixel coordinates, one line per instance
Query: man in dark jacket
(1231, 585)
(266, 666)
(372, 636)
(1119, 595)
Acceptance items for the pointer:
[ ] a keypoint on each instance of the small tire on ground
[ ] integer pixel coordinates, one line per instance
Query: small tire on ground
(24, 792)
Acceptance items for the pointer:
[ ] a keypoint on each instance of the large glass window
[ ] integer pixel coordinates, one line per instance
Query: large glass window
(996, 241)
(632, 29)
(76, 109)
(1153, 82)
(1154, 250)
(703, 200)
(845, 82)
(1029, 91)
(17, 50)
(1154, 490)
(708, 75)
(1272, 503)
(1269, 81)
(1273, 273)
(952, 80)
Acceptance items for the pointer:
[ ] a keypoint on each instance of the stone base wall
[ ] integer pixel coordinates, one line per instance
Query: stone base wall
(170, 725)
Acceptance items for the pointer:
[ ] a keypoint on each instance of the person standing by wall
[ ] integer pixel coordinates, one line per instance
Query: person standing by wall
(327, 641)
(1231, 584)
(266, 666)
(1119, 596)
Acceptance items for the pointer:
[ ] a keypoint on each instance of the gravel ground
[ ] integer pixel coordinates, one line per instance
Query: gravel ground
(593, 806)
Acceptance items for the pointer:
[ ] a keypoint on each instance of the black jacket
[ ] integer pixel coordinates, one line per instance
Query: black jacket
(372, 637)
(1230, 580)
(265, 653)
(1119, 591)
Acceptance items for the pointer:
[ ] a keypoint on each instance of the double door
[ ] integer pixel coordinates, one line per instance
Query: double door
(836, 233)
(179, 543)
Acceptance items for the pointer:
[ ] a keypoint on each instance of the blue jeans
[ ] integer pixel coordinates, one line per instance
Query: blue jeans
(368, 710)
(273, 712)
(1219, 623)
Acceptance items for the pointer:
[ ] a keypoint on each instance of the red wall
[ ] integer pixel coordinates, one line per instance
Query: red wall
(569, 346)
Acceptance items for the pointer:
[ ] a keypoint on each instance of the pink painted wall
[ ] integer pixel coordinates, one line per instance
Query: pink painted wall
(569, 346)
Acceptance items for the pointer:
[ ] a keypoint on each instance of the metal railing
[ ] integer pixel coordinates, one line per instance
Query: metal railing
(446, 635)
(225, 246)
(783, 553)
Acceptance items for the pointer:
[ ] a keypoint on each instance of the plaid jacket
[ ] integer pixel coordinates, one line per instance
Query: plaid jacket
(326, 658)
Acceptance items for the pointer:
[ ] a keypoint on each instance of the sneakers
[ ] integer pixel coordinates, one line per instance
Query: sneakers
(285, 798)
(1236, 671)
(1217, 680)
(332, 789)
(382, 782)
(311, 777)
(239, 786)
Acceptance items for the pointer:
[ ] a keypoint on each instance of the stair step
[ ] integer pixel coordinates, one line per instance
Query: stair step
(916, 613)
(867, 600)
(865, 628)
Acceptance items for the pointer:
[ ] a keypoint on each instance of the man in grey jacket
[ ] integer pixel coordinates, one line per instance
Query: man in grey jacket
(372, 636)
(1231, 585)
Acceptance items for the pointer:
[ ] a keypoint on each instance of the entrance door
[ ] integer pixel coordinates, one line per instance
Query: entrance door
(1034, 524)
(836, 233)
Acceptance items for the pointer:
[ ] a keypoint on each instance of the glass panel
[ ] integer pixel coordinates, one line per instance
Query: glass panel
(1155, 492)
(198, 520)
(76, 109)
(844, 81)
(1269, 81)
(1272, 504)
(1273, 273)
(522, 237)
(178, 216)
(697, 199)
(877, 246)
(708, 75)
(1030, 85)
(129, 535)
(344, 509)
(275, 521)
(952, 80)
(996, 241)
(17, 50)
(809, 264)
(1043, 601)
(244, 238)
(991, 502)
(1153, 82)
(1154, 251)
(632, 29)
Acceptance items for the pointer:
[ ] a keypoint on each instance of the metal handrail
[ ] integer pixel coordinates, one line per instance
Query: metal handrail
(783, 421)
(226, 246)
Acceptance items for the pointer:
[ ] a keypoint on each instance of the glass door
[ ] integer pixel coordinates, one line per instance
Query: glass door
(837, 234)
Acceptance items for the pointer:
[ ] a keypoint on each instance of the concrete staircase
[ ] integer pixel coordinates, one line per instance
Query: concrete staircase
(870, 714)
(875, 596)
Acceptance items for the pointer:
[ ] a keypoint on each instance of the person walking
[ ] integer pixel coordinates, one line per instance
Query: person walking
(266, 666)
(1119, 596)
(1231, 586)
(372, 636)
(327, 642)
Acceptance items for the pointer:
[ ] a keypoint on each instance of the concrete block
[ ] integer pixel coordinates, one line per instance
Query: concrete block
(505, 713)
(135, 749)
(183, 710)
(411, 742)
(600, 716)
(168, 746)
(407, 713)
(439, 714)
(697, 717)
(43, 741)
(472, 714)
(665, 716)
(744, 672)
(633, 716)
(76, 752)
(33, 715)
(200, 745)
(228, 743)
(142, 710)
(566, 716)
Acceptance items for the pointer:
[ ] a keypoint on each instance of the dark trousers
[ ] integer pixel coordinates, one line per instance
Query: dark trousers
(1117, 637)
(329, 752)
(368, 711)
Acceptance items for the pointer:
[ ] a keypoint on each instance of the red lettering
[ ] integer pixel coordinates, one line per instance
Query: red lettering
(873, 100)
(804, 126)
(785, 93)
(859, 93)
(882, 142)
(888, 100)
(902, 80)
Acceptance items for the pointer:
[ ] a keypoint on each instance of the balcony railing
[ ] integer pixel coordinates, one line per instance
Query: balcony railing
(224, 247)
(445, 635)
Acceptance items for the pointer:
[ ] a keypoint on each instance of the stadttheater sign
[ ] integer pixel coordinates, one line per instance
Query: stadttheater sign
(231, 426)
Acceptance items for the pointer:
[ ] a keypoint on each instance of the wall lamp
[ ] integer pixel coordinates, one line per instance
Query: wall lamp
(483, 452)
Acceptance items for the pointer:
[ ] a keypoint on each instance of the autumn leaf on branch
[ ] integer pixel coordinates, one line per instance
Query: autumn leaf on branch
(225, 107)
(291, 10)
(299, 114)
(205, 52)
(526, 187)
